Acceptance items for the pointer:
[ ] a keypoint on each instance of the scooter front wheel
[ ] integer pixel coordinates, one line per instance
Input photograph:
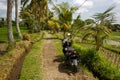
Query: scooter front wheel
(75, 64)
(75, 68)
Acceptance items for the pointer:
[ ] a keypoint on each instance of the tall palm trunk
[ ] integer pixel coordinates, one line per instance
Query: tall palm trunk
(16, 19)
(98, 41)
(9, 21)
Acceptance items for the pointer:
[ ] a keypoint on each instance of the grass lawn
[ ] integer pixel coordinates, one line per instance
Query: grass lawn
(31, 69)
(3, 33)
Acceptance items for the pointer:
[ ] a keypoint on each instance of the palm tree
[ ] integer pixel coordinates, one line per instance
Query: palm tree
(16, 19)
(54, 25)
(77, 25)
(105, 18)
(65, 12)
(9, 21)
(39, 8)
(99, 30)
(24, 2)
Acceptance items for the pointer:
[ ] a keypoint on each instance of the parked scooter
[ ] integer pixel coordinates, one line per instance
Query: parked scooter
(73, 59)
(71, 56)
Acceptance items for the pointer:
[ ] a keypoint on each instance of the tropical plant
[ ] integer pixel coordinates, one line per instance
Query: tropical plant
(89, 21)
(99, 30)
(65, 12)
(54, 25)
(77, 25)
(39, 11)
(106, 18)
(30, 11)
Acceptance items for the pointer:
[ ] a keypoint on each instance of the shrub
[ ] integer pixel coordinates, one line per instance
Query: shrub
(26, 37)
(95, 61)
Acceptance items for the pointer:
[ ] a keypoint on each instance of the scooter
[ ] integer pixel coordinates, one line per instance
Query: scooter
(71, 58)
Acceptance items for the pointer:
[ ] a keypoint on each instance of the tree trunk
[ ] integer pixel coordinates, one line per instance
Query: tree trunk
(9, 21)
(98, 41)
(16, 19)
(64, 33)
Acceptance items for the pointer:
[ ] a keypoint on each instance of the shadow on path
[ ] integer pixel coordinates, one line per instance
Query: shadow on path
(63, 67)
(50, 38)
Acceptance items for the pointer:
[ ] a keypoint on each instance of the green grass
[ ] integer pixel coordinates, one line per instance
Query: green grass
(59, 49)
(31, 69)
(112, 48)
(115, 34)
(98, 64)
(4, 33)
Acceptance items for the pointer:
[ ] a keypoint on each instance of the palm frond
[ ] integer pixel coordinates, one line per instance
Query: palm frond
(87, 35)
(24, 2)
(108, 10)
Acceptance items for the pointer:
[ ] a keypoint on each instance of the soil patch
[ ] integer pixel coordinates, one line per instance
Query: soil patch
(3, 47)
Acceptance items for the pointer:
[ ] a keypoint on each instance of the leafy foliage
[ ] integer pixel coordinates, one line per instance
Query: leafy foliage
(53, 25)
(77, 25)
(89, 21)
(36, 10)
(101, 68)
(64, 12)
(99, 30)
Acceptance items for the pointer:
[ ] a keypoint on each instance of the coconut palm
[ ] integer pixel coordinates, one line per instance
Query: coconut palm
(25, 2)
(99, 30)
(54, 25)
(105, 18)
(9, 21)
(16, 19)
(77, 25)
(39, 9)
(65, 12)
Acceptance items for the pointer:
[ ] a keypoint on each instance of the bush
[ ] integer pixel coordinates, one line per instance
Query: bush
(100, 67)
(26, 37)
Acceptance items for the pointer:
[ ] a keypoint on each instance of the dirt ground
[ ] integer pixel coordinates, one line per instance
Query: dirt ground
(3, 47)
(53, 68)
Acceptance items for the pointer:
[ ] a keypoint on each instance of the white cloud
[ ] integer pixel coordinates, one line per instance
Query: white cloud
(82, 10)
(84, 5)
(2, 6)
(116, 1)
(88, 4)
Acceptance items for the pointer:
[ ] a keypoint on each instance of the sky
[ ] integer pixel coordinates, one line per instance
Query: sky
(86, 11)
